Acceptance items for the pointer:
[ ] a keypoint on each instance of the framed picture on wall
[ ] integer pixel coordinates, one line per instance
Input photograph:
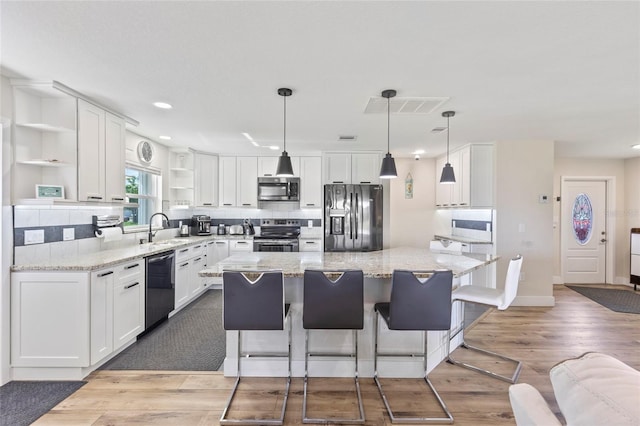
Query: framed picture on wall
(50, 191)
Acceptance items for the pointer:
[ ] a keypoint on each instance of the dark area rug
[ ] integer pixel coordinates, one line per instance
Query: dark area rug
(617, 300)
(193, 339)
(22, 403)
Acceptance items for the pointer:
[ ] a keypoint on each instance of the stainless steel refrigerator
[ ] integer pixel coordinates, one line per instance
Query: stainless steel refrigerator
(352, 217)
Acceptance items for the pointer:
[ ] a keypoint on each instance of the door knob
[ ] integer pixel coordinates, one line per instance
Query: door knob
(604, 240)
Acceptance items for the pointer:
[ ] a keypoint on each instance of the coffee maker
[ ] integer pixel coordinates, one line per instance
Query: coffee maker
(200, 225)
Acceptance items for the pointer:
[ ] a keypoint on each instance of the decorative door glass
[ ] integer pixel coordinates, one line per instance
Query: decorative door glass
(582, 218)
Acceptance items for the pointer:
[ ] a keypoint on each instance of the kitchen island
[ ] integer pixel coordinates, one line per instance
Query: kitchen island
(377, 268)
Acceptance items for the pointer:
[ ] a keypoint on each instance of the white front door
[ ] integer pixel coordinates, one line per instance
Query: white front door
(583, 227)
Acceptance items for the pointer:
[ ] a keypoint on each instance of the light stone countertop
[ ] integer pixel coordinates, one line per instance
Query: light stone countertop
(107, 258)
(375, 264)
(461, 239)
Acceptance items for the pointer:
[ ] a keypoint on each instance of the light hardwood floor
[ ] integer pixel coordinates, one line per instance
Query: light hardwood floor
(540, 337)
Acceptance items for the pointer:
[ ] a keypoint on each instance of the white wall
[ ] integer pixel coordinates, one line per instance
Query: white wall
(412, 220)
(632, 204)
(595, 167)
(524, 170)
(6, 228)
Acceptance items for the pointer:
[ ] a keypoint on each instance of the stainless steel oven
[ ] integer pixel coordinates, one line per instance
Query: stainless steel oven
(277, 235)
(263, 245)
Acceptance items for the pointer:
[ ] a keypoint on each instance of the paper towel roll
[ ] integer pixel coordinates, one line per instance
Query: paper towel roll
(110, 234)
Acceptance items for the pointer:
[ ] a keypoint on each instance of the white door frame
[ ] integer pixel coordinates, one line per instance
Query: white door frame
(610, 185)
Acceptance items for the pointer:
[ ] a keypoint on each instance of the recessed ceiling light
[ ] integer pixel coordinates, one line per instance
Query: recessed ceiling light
(636, 146)
(165, 138)
(419, 151)
(162, 105)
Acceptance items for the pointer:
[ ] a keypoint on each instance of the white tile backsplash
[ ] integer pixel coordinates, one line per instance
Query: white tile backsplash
(54, 217)
(64, 249)
(28, 255)
(25, 218)
(81, 216)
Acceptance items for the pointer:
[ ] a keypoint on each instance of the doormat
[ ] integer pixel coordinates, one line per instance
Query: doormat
(617, 300)
(22, 403)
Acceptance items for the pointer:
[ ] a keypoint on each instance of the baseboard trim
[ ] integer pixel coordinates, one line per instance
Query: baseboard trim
(534, 301)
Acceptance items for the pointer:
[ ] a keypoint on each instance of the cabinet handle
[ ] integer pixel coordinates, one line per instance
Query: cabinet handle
(268, 174)
(198, 246)
(221, 242)
(117, 198)
(310, 242)
(242, 242)
(184, 250)
(126, 287)
(184, 264)
(310, 204)
(365, 181)
(104, 274)
(207, 204)
(463, 204)
(197, 260)
(94, 197)
(246, 204)
(337, 181)
(226, 204)
(132, 266)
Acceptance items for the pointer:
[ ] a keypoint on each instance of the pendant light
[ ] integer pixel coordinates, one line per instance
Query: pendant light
(284, 168)
(447, 171)
(388, 169)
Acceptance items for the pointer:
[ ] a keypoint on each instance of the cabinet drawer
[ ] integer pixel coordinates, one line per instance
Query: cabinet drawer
(183, 254)
(310, 245)
(241, 245)
(132, 271)
(198, 249)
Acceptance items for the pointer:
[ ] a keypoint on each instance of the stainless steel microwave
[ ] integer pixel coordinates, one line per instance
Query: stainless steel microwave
(278, 189)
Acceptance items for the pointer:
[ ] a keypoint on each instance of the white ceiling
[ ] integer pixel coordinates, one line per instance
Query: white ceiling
(541, 70)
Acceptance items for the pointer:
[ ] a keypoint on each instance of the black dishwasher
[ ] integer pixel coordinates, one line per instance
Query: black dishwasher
(160, 288)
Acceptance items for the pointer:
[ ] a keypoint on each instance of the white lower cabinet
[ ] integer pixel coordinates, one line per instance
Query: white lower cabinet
(50, 319)
(74, 319)
(240, 246)
(102, 313)
(189, 262)
(310, 244)
(216, 251)
(128, 303)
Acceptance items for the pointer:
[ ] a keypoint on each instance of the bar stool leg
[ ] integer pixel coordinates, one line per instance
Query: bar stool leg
(406, 419)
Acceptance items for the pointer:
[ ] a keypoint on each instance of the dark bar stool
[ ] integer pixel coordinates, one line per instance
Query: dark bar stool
(495, 298)
(419, 305)
(333, 300)
(254, 300)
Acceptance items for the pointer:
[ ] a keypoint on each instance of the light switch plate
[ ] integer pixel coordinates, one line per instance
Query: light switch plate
(68, 234)
(34, 236)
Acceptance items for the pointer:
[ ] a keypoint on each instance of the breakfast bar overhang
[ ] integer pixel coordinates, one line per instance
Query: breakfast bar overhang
(377, 268)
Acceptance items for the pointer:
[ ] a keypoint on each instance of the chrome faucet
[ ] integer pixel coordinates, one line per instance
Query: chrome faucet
(151, 221)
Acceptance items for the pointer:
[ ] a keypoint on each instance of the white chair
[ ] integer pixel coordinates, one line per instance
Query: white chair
(446, 246)
(495, 298)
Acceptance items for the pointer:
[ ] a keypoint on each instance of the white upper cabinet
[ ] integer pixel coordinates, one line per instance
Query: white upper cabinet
(473, 168)
(91, 152)
(267, 166)
(227, 181)
(352, 168)
(310, 182)
(101, 146)
(44, 139)
(115, 138)
(206, 180)
(247, 181)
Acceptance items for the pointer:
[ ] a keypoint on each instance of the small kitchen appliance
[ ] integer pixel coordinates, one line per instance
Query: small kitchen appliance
(236, 230)
(200, 225)
(184, 230)
(222, 230)
(248, 227)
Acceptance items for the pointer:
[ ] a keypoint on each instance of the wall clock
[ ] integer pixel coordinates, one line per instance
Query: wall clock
(145, 151)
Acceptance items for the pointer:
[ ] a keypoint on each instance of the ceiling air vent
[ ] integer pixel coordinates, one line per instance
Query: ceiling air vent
(378, 105)
(346, 138)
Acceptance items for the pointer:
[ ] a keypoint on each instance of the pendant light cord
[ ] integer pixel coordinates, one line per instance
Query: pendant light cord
(388, 121)
(447, 139)
(285, 125)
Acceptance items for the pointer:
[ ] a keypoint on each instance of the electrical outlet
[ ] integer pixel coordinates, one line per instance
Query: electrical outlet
(310, 224)
(34, 236)
(68, 234)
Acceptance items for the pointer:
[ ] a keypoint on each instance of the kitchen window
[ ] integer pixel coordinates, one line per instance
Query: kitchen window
(144, 188)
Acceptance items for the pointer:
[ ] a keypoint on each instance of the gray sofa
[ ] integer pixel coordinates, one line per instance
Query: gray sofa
(593, 389)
